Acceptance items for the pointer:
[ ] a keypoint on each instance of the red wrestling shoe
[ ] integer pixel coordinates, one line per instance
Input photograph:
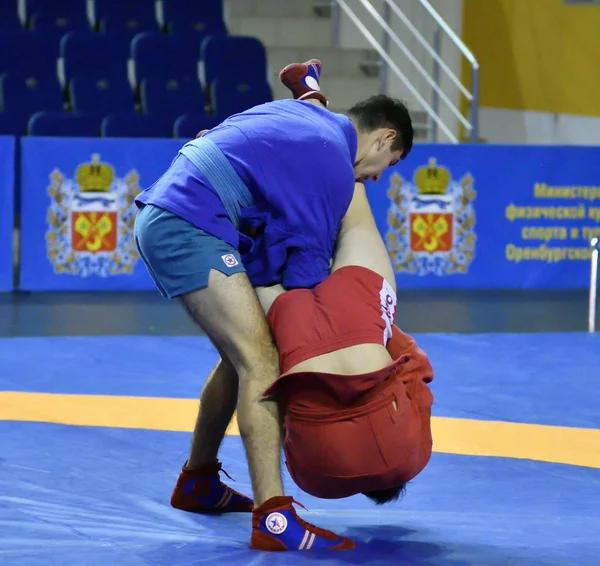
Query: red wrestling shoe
(276, 527)
(303, 80)
(201, 491)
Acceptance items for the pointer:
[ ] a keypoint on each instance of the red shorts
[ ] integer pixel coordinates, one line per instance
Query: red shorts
(334, 450)
(338, 444)
(352, 306)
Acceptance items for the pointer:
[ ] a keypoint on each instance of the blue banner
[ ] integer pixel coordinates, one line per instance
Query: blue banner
(489, 216)
(77, 211)
(452, 216)
(7, 213)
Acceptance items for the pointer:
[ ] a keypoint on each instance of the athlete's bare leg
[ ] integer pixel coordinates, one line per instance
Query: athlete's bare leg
(229, 312)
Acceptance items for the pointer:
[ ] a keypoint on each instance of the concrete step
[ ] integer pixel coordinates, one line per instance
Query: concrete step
(284, 32)
(269, 8)
(336, 62)
(421, 124)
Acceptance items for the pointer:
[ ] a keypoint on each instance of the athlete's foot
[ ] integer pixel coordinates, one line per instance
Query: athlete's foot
(303, 80)
(276, 527)
(201, 491)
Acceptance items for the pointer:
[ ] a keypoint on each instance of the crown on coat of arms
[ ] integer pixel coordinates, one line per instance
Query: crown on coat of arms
(95, 176)
(432, 179)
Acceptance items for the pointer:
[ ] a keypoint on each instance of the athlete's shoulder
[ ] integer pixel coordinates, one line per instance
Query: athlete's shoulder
(290, 109)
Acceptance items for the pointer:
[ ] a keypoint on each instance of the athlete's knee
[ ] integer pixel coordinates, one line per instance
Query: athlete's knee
(256, 358)
(224, 369)
(247, 347)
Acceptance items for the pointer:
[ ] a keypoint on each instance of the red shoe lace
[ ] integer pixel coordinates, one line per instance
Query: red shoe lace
(221, 469)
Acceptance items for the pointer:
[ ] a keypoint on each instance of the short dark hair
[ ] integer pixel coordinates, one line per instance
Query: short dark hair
(382, 111)
(389, 495)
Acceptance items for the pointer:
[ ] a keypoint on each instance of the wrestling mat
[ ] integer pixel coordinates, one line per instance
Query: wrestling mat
(94, 430)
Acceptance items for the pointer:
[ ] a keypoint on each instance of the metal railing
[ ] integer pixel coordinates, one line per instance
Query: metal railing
(595, 244)
(432, 78)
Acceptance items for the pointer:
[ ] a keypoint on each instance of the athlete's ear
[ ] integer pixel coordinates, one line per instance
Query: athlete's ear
(389, 135)
(385, 138)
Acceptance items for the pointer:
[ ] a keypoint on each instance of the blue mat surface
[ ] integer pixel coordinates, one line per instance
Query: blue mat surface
(87, 495)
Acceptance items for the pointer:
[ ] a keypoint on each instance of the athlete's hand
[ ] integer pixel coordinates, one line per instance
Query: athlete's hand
(201, 133)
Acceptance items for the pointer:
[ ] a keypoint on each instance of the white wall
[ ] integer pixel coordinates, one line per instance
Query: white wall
(525, 127)
(451, 11)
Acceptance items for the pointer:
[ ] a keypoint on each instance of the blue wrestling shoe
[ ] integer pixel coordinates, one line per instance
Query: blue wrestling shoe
(201, 491)
(303, 80)
(276, 527)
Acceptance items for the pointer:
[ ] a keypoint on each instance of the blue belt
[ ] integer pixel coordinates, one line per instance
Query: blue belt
(212, 163)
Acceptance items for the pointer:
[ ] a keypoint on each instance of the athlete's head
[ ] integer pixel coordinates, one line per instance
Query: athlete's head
(386, 495)
(385, 135)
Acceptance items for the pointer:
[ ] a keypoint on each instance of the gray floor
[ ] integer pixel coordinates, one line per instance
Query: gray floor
(73, 314)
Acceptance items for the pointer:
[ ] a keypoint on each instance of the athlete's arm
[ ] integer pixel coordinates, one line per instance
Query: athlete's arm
(359, 241)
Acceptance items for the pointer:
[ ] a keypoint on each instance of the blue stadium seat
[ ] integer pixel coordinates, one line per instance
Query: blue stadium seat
(197, 30)
(53, 26)
(25, 95)
(132, 125)
(164, 56)
(126, 18)
(9, 16)
(144, 11)
(125, 29)
(94, 55)
(64, 124)
(230, 95)
(12, 124)
(170, 98)
(237, 56)
(37, 54)
(100, 97)
(75, 10)
(182, 11)
(188, 125)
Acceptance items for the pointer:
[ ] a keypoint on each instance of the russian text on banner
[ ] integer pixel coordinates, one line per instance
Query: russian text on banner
(464, 216)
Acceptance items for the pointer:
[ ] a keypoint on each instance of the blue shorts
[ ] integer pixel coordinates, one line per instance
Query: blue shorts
(178, 255)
